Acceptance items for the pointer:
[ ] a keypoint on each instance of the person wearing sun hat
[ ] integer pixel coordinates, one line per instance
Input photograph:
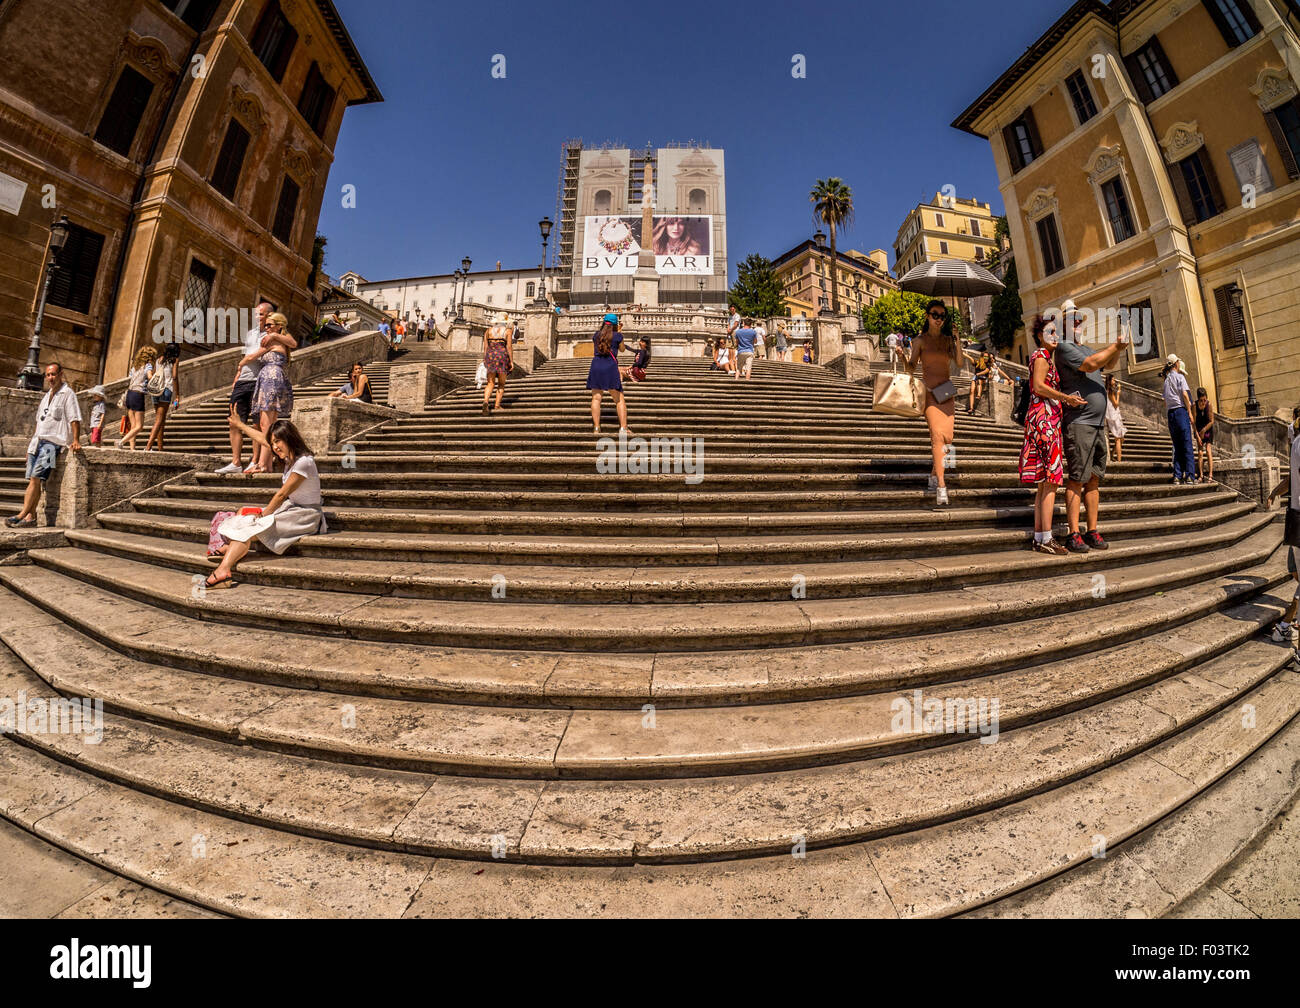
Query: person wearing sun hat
(498, 357)
(1178, 402)
(603, 375)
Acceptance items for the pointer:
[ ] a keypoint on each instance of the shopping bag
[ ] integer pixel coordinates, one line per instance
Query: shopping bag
(898, 394)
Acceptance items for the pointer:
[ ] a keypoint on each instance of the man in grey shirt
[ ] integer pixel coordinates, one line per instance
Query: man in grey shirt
(1084, 427)
(243, 387)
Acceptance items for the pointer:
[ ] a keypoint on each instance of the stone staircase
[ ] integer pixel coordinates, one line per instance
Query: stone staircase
(203, 428)
(509, 684)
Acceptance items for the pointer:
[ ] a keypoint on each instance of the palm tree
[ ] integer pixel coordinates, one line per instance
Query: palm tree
(832, 204)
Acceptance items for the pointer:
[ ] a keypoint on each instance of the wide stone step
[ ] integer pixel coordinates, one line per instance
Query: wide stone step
(667, 627)
(603, 497)
(367, 570)
(150, 630)
(1114, 789)
(1166, 869)
(598, 744)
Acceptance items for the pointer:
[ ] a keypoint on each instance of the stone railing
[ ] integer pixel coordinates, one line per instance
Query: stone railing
(202, 379)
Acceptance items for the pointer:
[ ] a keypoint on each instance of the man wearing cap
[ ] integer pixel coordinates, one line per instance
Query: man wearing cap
(1087, 449)
(1178, 402)
(58, 426)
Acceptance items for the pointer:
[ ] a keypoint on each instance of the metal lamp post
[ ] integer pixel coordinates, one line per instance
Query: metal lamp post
(29, 377)
(464, 290)
(544, 225)
(701, 283)
(1237, 295)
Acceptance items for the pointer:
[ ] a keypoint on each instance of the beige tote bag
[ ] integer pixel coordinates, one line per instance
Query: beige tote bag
(898, 394)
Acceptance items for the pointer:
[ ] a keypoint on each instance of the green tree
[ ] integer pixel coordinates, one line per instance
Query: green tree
(903, 312)
(832, 204)
(1006, 314)
(317, 263)
(757, 291)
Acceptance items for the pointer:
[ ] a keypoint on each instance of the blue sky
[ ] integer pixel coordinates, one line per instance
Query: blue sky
(457, 163)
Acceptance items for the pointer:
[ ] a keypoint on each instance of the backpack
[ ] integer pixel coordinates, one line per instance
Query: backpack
(1021, 412)
(157, 381)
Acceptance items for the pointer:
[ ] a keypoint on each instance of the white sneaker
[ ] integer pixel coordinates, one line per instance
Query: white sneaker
(1282, 632)
(941, 497)
(228, 470)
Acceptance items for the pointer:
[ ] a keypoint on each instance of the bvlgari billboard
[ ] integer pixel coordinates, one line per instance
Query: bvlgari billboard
(683, 245)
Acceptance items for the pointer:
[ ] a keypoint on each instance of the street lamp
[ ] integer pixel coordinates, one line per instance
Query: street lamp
(607, 294)
(464, 289)
(1237, 295)
(29, 377)
(701, 283)
(544, 225)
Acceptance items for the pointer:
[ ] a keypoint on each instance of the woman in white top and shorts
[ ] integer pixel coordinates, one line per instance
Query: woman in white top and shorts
(293, 513)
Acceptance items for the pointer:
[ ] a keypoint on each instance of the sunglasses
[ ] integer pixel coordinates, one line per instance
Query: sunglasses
(940, 316)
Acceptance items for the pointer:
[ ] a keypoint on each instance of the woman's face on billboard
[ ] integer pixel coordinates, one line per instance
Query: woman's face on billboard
(676, 227)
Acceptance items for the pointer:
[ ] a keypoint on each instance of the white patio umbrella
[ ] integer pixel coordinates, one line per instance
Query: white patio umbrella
(953, 278)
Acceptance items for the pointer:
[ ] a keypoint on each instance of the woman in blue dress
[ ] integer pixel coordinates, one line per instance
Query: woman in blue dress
(603, 376)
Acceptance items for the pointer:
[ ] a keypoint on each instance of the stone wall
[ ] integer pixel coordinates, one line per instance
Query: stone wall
(100, 479)
(326, 423)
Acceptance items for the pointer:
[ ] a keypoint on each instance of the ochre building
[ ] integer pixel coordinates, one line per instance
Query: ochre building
(1147, 154)
(187, 141)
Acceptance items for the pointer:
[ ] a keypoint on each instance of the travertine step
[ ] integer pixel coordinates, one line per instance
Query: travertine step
(669, 626)
(586, 743)
(519, 678)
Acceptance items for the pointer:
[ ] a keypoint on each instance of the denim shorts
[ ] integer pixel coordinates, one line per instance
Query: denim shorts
(42, 462)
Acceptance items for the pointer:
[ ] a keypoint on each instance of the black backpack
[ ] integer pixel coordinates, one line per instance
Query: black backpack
(1021, 411)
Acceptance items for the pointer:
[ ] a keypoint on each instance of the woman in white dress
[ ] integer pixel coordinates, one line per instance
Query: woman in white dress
(294, 512)
(1114, 420)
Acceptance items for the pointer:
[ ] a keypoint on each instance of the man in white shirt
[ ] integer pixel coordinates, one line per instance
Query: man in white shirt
(58, 426)
(243, 387)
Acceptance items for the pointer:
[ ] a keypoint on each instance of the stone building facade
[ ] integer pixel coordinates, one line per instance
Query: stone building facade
(1148, 156)
(188, 142)
(434, 298)
(947, 227)
(804, 273)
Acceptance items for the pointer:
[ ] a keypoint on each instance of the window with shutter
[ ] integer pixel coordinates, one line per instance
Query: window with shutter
(1284, 125)
(230, 161)
(273, 40)
(285, 211)
(1117, 209)
(1143, 336)
(124, 112)
(1022, 141)
(316, 101)
(1150, 70)
(195, 13)
(1235, 20)
(72, 284)
(1202, 187)
(1085, 107)
(1231, 323)
(1049, 241)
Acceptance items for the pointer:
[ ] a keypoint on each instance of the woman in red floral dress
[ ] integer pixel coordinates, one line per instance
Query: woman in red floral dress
(1041, 458)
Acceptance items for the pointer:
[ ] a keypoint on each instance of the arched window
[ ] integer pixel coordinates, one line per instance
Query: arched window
(350, 286)
(695, 201)
(530, 289)
(603, 201)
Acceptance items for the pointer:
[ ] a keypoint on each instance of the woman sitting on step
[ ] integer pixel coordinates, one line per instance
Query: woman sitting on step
(636, 371)
(357, 386)
(294, 512)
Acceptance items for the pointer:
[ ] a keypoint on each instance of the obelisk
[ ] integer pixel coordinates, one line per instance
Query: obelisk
(645, 282)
